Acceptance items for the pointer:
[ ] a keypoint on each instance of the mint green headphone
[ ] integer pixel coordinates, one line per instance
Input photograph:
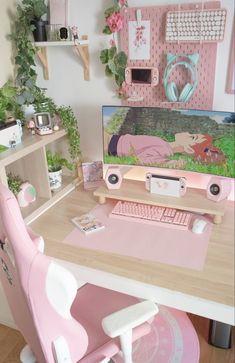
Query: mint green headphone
(189, 61)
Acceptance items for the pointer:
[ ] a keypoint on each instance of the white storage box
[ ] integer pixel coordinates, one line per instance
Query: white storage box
(11, 134)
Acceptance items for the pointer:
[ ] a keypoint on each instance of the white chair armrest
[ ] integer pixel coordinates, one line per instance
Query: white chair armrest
(37, 239)
(126, 319)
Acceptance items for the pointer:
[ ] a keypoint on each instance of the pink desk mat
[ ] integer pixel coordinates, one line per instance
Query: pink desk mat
(146, 242)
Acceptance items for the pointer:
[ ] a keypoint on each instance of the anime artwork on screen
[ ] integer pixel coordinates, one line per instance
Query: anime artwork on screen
(193, 140)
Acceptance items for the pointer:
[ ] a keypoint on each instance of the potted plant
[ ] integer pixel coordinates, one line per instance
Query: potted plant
(24, 192)
(14, 183)
(10, 127)
(35, 10)
(55, 162)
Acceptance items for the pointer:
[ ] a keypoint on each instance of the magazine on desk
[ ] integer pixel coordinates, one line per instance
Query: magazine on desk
(88, 223)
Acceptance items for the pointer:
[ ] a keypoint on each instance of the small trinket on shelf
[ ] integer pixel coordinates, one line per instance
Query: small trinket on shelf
(31, 126)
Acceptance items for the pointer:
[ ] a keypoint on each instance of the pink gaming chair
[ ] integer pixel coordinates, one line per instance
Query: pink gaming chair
(60, 322)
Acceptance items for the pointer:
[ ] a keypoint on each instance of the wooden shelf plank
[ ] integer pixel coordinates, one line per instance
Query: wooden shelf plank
(61, 43)
(29, 144)
(194, 200)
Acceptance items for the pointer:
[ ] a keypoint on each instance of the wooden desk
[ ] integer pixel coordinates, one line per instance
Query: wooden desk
(208, 293)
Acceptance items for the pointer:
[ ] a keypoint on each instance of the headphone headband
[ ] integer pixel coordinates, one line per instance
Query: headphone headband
(189, 61)
(190, 64)
(187, 65)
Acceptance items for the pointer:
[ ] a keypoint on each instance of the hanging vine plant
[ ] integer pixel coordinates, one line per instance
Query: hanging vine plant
(115, 61)
(25, 51)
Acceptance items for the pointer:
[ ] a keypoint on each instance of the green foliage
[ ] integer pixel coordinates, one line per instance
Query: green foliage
(115, 64)
(14, 183)
(55, 162)
(25, 53)
(3, 148)
(122, 160)
(7, 95)
(34, 9)
(116, 121)
(69, 122)
(42, 103)
(8, 105)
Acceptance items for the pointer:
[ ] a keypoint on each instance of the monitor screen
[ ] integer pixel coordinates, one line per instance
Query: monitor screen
(42, 119)
(191, 140)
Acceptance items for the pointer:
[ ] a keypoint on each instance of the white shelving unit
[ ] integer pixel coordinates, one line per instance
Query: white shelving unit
(28, 160)
(80, 46)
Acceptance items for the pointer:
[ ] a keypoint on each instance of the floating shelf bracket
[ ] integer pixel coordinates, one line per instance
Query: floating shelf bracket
(42, 55)
(81, 49)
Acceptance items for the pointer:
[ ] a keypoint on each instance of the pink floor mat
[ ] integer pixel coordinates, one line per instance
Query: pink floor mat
(144, 241)
(171, 340)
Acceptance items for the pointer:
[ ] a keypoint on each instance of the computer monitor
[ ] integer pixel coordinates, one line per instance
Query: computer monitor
(192, 140)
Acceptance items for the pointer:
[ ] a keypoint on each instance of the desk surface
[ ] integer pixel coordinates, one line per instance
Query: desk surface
(208, 293)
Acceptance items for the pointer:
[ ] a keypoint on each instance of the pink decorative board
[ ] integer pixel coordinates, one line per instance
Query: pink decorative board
(144, 241)
(155, 96)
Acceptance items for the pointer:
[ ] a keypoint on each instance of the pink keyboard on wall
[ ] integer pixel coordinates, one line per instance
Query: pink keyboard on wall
(152, 214)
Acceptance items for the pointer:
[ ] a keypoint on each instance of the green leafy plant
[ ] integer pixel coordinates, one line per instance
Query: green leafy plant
(69, 122)
(42, 103)
(25, 50)
(55, 161)
(14, 183)
(115, 64)
(7, 93)
(8, 105)
(34, 9)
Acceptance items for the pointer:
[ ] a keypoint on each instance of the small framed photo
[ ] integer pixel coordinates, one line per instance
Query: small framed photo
(92, 174)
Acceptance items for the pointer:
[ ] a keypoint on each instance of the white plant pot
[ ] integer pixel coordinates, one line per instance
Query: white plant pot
(27, 195)
(55, 179)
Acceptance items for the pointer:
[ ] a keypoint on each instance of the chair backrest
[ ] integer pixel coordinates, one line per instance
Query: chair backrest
(39, 303)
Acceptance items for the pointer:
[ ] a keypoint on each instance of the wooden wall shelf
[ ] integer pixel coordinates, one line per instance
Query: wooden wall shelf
(193, 201)
(81, 49)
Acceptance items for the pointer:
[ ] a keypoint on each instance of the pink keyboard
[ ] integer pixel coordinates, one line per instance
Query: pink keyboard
(152, 214)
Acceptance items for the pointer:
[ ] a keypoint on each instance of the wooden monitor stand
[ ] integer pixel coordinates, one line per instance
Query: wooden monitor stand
(194, 199)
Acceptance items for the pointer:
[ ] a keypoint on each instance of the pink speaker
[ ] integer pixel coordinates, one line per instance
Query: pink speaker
(113, 177)
(218, 189)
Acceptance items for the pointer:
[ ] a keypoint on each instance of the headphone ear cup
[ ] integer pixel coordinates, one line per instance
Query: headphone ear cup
(172, 92)
(186, 93)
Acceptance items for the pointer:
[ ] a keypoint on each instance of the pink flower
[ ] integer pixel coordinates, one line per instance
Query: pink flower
(122, 3)
(114, 22)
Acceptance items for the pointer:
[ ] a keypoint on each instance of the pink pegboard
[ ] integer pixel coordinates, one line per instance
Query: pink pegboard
(155, 96)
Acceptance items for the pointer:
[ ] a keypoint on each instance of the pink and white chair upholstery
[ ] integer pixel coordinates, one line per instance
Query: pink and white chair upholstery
(61, 323)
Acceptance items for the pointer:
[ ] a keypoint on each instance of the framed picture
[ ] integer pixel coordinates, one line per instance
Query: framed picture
(230, 84)
(139, 40)
(92, 174)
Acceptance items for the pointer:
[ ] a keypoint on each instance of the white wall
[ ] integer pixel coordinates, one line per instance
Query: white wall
(66, 82)
(6, 66)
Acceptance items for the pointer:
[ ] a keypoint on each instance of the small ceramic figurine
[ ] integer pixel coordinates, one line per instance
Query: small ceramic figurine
(75, 32)
(31, 126)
